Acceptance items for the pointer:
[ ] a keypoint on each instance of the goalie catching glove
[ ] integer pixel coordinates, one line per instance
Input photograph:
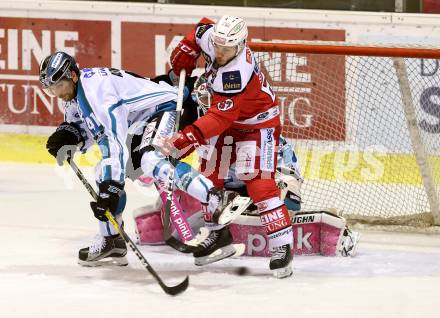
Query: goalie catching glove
(111, 197)
(66, 139)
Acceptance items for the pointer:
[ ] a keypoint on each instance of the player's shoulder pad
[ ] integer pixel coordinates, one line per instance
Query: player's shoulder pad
(92, 78)
(201, 29)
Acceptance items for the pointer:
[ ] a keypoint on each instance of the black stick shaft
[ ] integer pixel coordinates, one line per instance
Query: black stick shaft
(170, 290)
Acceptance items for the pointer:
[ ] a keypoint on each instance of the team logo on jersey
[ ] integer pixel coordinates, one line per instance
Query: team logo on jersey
(267, 149)
(202, 29)
(231, 80)
(225, 105)
(263, 116)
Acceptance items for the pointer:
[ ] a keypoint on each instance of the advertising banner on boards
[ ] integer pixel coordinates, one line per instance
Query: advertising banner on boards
(145, 49)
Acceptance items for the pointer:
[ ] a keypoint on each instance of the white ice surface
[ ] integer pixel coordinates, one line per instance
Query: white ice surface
(44, 222)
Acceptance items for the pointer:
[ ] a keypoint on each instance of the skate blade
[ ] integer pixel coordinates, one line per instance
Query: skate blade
(234, 209)
(239, 249)
(109, 261)
(218, 255)
(283, 272)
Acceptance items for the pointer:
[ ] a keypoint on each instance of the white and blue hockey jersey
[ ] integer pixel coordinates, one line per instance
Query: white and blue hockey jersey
(111, 104)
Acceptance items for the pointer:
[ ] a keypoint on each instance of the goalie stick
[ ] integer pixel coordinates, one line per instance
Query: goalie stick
(168, 238)
(175, 217)
(170, 290)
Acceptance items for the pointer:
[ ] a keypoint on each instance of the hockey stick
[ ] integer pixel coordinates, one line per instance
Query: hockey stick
(168, 238)
(170, 290)
(179, 221)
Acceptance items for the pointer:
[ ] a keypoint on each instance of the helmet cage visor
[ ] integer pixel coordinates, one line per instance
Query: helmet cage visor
(59, 74)
(54, 89)
(202, 95)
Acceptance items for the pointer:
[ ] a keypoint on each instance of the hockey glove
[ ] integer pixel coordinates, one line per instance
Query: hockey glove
(184, 56)
(63, 141)
(111, 197)
(183, 143)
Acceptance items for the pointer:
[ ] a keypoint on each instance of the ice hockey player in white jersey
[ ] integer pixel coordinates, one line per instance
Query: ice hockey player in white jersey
(124, 114)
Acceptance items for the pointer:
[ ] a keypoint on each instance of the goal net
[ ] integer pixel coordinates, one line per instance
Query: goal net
(365, 125)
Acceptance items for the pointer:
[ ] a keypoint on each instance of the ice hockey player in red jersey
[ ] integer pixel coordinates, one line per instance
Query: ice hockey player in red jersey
(241, 128)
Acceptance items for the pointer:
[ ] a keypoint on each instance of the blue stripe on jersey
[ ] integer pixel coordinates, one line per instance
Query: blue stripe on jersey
(145, 96)
(204, 184)
(167, 106)
(87, 112)
(113, 121)
(105, 151)
(103, 143)
(83, 103)
(97, 129)
(157, 169)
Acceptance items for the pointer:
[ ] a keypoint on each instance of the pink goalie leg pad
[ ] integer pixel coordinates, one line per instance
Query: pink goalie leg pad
(148, 219)
(314, 233)
(189, 205)
(331, 233)
(248, 230)
(307, 234)
(149, 226)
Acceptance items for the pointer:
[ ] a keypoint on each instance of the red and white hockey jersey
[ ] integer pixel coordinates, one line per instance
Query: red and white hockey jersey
(242, 98)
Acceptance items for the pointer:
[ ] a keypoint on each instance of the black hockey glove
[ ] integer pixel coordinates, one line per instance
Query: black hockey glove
(64, 140)
(111, 197)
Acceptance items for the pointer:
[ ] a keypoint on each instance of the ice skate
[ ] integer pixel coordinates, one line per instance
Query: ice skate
(105, 250)
(349, 242)
(281, 261)
(226, 205)
(215, 247)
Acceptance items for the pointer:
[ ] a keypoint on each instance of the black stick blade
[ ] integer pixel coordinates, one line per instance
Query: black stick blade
(179, 246)
(175, 290)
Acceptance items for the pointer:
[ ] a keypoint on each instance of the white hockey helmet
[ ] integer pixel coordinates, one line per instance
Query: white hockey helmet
(230, 31)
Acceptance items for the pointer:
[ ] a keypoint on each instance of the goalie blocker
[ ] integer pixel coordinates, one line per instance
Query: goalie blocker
(314, 232)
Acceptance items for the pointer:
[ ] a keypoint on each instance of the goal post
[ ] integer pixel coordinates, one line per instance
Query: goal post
(365, 124)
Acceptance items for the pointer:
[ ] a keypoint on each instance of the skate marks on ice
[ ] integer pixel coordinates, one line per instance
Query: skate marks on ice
(370, 261)
(48, 251)
(39, 275)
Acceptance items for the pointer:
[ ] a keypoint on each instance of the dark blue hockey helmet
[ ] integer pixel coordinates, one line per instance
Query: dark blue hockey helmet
(56, 67)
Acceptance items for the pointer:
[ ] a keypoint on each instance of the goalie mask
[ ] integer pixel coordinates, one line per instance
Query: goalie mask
(230, 31)
(201, 95)
(55, 68)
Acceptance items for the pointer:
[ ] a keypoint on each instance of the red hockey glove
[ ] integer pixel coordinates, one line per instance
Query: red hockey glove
(184, 56)
(182, 143)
